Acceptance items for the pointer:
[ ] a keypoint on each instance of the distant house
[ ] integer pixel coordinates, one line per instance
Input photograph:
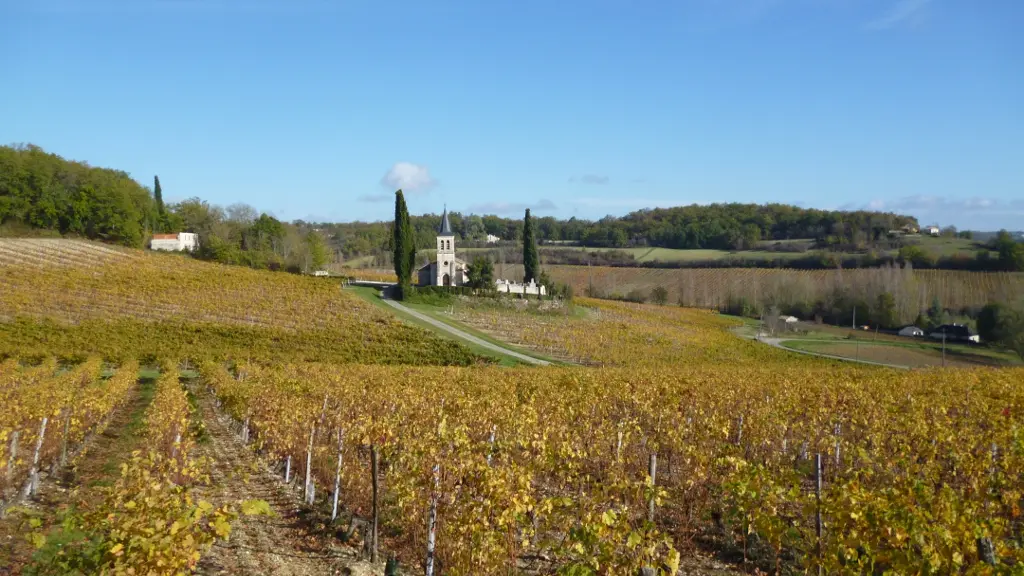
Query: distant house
(933, 230)
(954, 333)
(492, 239)
(175, 242)
(912, 331)
(321, 273)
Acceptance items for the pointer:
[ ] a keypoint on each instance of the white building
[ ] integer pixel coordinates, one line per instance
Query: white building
(912, 331)
(532, 288)
(175, 242)
(492, 239)
(446, 269)
(933, 230)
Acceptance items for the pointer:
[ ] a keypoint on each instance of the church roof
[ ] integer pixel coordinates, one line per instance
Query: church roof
(446, 226)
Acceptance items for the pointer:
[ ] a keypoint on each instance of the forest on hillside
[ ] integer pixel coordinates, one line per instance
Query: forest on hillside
(44, 194)
(716, 226)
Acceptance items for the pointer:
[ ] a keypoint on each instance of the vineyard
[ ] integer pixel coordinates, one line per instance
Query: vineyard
(502, 468)
(73, 298)
(672, 436)
(146, 519)
(622, 334)
(914, 290)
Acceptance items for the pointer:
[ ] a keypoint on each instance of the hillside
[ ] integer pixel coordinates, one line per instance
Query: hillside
(73, 297)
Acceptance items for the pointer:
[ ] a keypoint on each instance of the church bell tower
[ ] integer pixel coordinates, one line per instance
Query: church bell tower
(446, 253)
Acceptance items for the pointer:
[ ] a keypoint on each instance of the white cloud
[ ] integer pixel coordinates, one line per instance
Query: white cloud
(408, 177)
(901, 11)
(502, 208)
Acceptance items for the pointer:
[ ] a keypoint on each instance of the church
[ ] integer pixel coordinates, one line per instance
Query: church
(446, 269)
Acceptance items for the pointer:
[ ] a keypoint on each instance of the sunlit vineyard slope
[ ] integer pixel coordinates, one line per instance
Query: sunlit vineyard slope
(68, 297)
(610, 333)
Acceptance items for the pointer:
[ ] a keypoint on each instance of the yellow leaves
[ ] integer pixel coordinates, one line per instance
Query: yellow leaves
(117, 549)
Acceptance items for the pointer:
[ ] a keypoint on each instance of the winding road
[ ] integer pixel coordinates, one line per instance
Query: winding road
(464, 335)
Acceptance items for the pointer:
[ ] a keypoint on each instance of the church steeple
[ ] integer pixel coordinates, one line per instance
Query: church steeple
(446, 227)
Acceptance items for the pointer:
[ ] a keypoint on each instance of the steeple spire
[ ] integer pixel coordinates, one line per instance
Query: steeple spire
(446, 227)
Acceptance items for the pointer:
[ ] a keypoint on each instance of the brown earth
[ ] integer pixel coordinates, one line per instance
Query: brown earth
(293, 541)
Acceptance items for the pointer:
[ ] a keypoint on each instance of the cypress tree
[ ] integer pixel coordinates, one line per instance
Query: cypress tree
(159, 196)
(400, 243)
(531, 261)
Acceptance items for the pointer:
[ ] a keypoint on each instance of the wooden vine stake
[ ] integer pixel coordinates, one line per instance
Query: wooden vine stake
(308, 489)
(652, 470)
(14, 455)
(490, 441)
(33, 475)
(376, 511)
(337, 475)
(817, 510)
(64, 439)
(177, 442)
(432, 522)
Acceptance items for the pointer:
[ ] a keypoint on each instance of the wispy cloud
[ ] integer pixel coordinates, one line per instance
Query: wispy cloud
(408, 177)
(375, 198)
(902, 11)
(183, 6)
(632, 203)
(591, 179)
(945, 208)
(506, 208)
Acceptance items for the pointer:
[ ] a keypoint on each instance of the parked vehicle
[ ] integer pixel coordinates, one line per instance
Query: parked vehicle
(954, 333)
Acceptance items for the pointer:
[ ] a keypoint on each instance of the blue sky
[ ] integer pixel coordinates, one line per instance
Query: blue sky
(317, 109)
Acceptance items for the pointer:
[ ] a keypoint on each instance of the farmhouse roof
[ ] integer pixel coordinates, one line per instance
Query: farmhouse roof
(446, 226)
(165, 236)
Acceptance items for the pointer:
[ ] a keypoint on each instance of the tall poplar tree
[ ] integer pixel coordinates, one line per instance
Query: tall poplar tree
(401, 241)
(531, 260)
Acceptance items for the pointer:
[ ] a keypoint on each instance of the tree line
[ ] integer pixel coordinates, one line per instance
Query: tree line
(43, 193)
(717, 226)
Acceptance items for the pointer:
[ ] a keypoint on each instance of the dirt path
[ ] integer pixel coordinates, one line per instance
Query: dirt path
(287, 543)
(97, 464)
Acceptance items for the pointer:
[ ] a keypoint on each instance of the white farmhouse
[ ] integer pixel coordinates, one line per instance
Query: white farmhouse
(492, 239)
(175, 242)
(933, 230)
